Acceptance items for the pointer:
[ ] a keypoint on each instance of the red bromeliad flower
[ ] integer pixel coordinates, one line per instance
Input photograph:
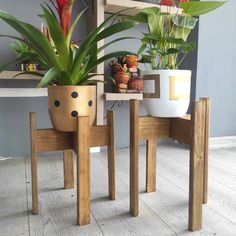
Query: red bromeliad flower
(169, 3)
(64, 9)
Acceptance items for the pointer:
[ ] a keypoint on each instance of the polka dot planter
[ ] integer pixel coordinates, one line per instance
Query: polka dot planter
(65, 103)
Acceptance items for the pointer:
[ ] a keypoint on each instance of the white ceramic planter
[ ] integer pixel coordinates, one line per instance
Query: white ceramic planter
(167, 92)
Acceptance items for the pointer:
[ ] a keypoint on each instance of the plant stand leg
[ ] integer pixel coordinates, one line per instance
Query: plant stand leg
(34, 180)
(83, 170)
(151, 165)
(134, 144)
(111, 156)
(206, 102)
(196, 168)
(68, 169)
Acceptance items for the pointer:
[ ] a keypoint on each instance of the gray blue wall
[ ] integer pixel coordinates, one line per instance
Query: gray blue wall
(14, 127)
(216, 67)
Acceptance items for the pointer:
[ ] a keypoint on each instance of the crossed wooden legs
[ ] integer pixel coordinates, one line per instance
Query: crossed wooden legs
(46, 140)
(192, 130)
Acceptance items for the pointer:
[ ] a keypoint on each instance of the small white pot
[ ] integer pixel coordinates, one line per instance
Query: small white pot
(167, 92)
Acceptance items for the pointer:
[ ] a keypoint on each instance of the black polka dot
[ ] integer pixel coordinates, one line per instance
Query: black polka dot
(74, 95)
(74, 113)
(90, 103)
(57, 103)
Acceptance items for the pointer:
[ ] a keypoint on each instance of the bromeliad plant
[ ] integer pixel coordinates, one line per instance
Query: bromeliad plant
(166, 43)
(65, 65)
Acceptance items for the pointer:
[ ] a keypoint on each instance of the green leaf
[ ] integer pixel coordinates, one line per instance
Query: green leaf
(196, 8)
(57, 37)
(38, 41)
(140, 17)
(151, 10)
(142, 49)
(36, 73)
(184, 21)
(72, 27)
(114, 29)
(18, 59)
(52, 74)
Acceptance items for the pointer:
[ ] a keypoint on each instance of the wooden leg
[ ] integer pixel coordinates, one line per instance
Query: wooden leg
(34, 181)
(151, 165)
(111, 156)
(206, 102)
(196, 169)
(68, 169)
(134, 144)
(83, 170)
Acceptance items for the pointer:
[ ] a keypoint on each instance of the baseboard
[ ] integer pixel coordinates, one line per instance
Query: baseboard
(222, 142)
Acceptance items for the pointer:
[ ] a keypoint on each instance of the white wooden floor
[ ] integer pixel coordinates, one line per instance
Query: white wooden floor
(162, 213)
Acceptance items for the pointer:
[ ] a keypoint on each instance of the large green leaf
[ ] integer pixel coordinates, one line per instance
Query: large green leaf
(72, 28)
(196, 8)
(88, 42)
(52, 74)
(114, 29)
(185, 21)
(57, 37)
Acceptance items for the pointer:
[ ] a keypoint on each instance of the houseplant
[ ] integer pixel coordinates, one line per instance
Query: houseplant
(72, 89)
(164, 47)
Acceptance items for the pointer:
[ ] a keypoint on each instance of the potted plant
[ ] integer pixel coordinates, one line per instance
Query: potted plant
(164, 47)
(20, 48)
(70, 77)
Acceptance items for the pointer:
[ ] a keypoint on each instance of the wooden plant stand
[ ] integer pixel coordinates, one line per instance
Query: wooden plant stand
(48, 140)
(192, 130)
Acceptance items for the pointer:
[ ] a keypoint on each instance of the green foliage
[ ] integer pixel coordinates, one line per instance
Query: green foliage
(166, 44)
(66, 65)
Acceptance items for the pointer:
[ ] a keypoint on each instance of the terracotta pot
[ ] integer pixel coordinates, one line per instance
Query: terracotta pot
(136, 84)
(132, 61)
(121, 77)
(166, 92)
(65, 103)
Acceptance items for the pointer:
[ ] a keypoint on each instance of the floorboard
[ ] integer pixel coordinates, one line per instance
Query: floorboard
(163, 213)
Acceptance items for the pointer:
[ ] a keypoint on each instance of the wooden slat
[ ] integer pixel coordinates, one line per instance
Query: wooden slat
(206, 103)
(122, 96)
(180, 129)
(112, 6)
(151, 165)
(196, 168)
(99, 136)
(11, 74)
(50, 140)
(34, 175)
(153, 128)
(68, 169)
(83, 171)
(111, 155)
(134, 145)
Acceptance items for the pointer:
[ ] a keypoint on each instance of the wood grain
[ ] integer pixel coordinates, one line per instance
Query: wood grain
(68, 169)
(196, 168)
(151, 165)
(180, 129)
(34, 172)
(206, 103)
(83, 171)
(49, 140)
(153, 128)
(111, 155)
(134, 145)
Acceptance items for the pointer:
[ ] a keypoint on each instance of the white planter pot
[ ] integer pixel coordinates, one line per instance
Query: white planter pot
(167, 92)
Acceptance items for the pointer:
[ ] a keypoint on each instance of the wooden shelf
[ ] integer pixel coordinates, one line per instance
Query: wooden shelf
(11, 74)
(112, 6)
(23, 92)
(122, 96)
